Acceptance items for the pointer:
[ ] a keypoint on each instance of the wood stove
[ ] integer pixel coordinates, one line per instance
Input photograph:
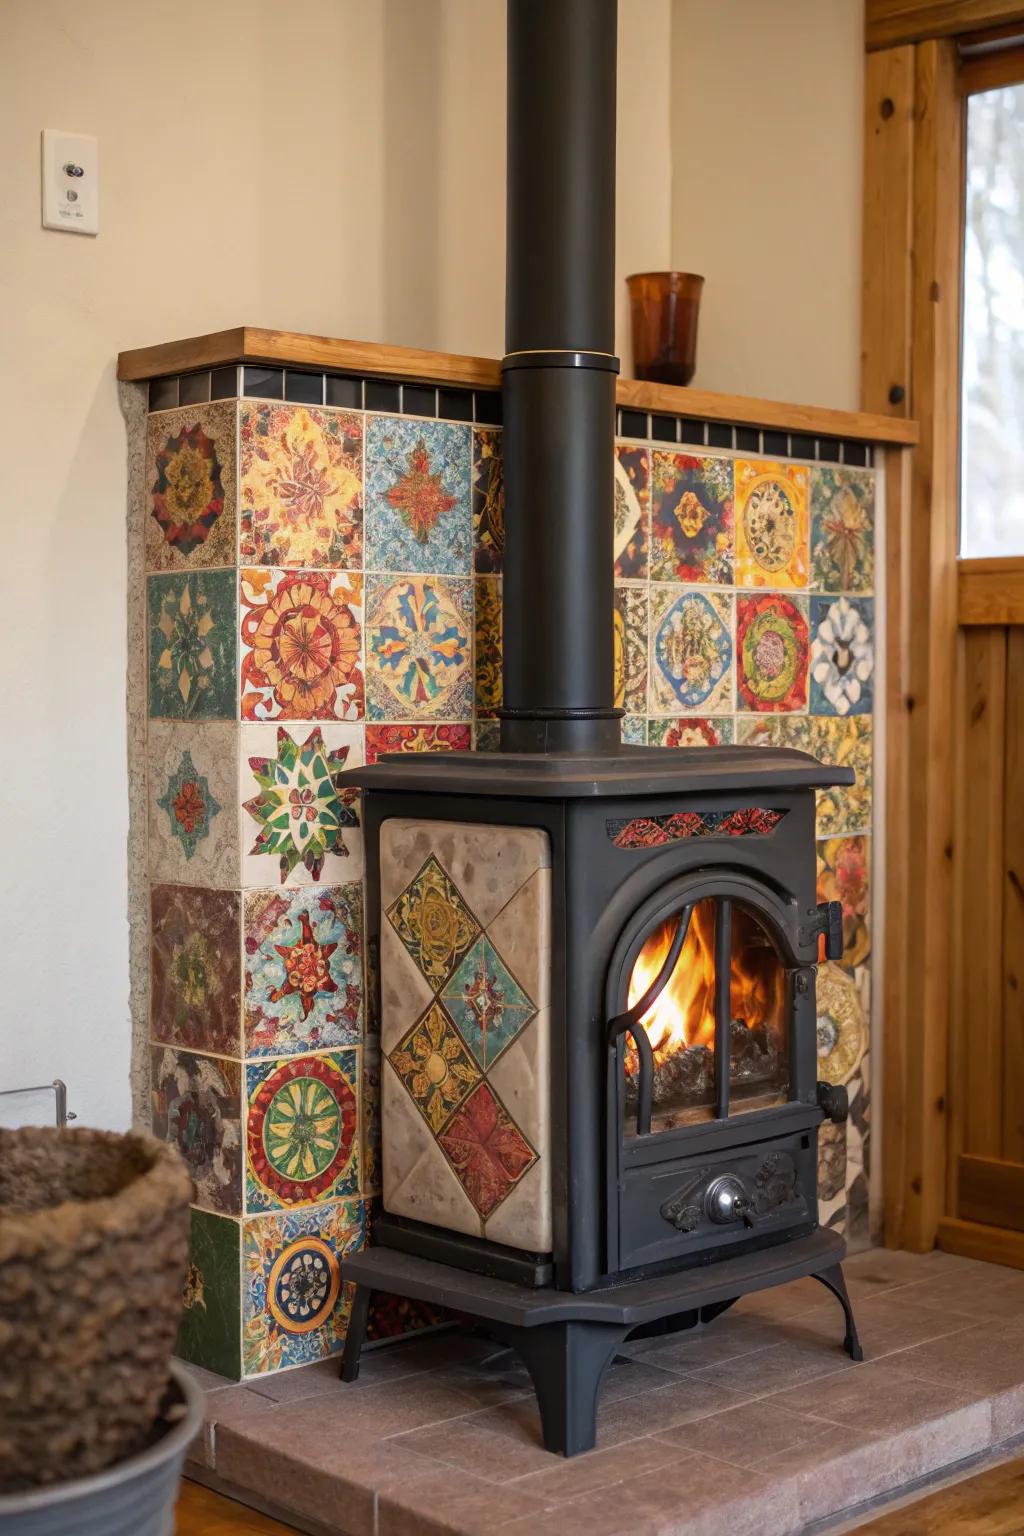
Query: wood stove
(595, 963)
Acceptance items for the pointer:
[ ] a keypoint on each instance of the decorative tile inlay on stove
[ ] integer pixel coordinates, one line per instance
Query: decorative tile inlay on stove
(435, 1066)
(630, 620)
(304, 821)
(301, 1141)
(842, 530)
(417, 738)
(301, 486)
(842, 655)
(692, 519)
(303, 969)
(197, 1108)
(771, 524)
(295, 1305)
(433, 922)
(418, 496)
(419, 648)
(486, 1148)
(487, 657)
(488, 502)
(193, 804)
(193, 673)
(487, 1003)
(195, 970)
(190, 487)
(771, 653)
(656, 831)
(843, 867)
(301, 645)
(632, 499)
(694, 732)
(691, 651)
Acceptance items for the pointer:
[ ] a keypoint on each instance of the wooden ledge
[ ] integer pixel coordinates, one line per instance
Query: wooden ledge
(282, 349)
(991, 591)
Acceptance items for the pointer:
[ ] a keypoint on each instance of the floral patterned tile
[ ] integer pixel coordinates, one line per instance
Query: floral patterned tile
(302, 1130)
(419, 648)
(295, 1306)
(300, 823)
(843, 809)
(842, 530)
(843, 876)
(301, 478)
(692, 529)
(193, 806)
(301, 645)
(771, 653)
(211, 1324)
(772, 535)
(418, 496)
(417, 738)
(632, 511)
(190, 487)
(842, 1024)
(691, 665)
(488, 502)
(303, 969)
(842, 655)
(193, 673)
(634, 730)
(197, 1108)
(195, 969)
(630, 620)
(692, 732)
(487, 654)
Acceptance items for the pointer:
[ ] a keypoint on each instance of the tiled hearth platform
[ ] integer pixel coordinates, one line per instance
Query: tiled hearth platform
(758, 1423)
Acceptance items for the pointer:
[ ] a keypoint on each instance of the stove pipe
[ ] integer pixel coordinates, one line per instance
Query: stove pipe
(558, 378)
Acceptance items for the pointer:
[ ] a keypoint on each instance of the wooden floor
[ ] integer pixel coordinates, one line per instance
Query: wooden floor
(202, 1513)
(991, 1504)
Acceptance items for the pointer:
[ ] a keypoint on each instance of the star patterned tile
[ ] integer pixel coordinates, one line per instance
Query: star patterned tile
(303, 969)
(193, 672)
(435, 1067)
(418, 496)
(300, 822)
(488, 1005)
(190, 487)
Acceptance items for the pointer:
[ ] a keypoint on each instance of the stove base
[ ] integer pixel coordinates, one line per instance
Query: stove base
(567, 1340)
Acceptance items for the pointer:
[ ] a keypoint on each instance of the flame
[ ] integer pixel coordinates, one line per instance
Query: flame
(684, 1012)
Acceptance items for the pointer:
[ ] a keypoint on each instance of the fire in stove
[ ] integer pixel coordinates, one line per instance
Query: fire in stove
(680, 1024)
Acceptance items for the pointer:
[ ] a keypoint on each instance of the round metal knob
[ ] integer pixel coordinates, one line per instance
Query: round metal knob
(726, 1199)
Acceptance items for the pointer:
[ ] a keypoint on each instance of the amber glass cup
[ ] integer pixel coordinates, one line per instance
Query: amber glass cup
(665, 307)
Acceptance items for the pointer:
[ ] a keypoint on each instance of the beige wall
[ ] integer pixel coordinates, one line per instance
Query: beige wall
(766, 191)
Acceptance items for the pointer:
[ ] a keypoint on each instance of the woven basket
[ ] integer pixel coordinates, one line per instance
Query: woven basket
(93, 1254)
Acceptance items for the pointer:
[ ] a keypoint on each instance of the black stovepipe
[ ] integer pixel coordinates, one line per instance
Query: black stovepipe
(559, 378)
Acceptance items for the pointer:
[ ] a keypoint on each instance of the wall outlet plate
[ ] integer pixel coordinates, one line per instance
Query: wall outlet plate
(71, 173)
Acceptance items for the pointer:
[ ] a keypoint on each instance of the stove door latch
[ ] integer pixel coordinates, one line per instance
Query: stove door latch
(834, 1102)
(827, 919)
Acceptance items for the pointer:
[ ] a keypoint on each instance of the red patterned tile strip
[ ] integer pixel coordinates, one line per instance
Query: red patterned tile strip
(656, 831)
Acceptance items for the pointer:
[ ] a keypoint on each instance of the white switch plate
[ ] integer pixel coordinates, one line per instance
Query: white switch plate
(71, 176)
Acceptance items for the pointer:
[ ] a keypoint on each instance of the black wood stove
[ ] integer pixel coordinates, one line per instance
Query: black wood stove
(596, 963)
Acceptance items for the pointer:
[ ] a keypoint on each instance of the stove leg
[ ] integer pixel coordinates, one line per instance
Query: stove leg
(567, 1362)
(356, 1333)
(833, 1281)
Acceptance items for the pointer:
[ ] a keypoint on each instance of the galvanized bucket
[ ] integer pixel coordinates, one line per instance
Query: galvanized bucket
(135, 1497)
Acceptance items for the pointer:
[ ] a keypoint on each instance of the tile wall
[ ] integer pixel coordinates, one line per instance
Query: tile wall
(323, 585)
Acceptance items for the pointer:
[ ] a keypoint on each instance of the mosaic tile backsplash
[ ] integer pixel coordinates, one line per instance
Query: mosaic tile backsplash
(324, 585)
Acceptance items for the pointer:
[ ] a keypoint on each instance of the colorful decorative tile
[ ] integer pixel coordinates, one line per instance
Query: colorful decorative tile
(305, 818)
(190, 487)
(417, 738)
(771, 524)
(847, 743)
(418, 496)
(693, 732)
(193, 673)
(301, 475)
(302, 1142)
(295, 1306)
(197, 1108)
(434, 923)
(632, 500)
(634, 730)
(193, 809)
(486, 1149)
(842, 530)
(842, 1024)
(487, 657)
(771, 653)
(303, 969)
(488, 502)
(301, 645)
(419, 648)
(433, 1063)
(210, 1332)
(692, 518)
(843, 866)
(487, 1003)
(691, 651)
(630, 620)
(677, 826)
(195, 969)
(486, 736)
(842, 655)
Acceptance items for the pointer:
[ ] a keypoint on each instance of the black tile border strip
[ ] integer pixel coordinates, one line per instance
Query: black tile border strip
(482, 407)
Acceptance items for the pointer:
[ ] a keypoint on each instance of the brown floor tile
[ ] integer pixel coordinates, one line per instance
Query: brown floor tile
(981, 1359)
(303, 1381)
(786, 1364)
(779, 1300)
(726, 1338)
(1007, 1414)
(438, 1504)
(759, 1434)
(885, 1323)
(880, 1398)
(702, 1497)
(881, 1269)
(571, 1478)
(476, 1445)
(994, 1292)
